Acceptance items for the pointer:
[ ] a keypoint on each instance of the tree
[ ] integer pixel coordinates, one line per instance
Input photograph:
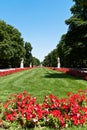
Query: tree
(51, 59)
(76, 36)
(28, 56)
(63, 51)
(74, 44)
(36, 61)
(54, 58)
(11, 46)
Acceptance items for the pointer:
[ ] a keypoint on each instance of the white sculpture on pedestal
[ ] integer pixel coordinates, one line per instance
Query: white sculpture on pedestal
(41, 65)
(22, 63)
(30, 64)
(58, 65)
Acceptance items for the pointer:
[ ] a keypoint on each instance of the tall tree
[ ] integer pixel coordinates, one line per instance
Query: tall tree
(28, 56)
(36, 61)
(75, 42)
(76, 36)
(11, 46)
(51, 59)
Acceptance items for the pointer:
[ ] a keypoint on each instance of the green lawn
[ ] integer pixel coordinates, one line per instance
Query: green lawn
(73, 128)
(40, 82)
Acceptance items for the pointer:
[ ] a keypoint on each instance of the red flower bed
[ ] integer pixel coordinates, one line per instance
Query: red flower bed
(53, 112)
(73, 72)
(7, 72)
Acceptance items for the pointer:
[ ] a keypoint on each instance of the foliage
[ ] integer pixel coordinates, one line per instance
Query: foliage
(51, 59)
(28, 56)
(36, 61)
(63, 52)
(73, 47)
(11, 46)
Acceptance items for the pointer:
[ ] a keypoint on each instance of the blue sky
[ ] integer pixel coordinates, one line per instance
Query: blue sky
(41, 22)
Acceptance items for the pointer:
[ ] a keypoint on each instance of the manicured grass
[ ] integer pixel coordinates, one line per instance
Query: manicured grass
(72, 128)
(40, 82)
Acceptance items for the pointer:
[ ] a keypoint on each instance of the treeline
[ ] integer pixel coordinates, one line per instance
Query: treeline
(13, 48)
(51, 59)
(72, 48)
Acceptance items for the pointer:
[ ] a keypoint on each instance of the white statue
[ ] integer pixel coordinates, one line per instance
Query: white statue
(30, 64)
(58, 65)
(22, 63)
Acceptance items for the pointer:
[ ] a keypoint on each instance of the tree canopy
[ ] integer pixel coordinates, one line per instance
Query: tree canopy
(28, 56)
(51, 59)
(36, 61)
(11, 46)
(72, 47)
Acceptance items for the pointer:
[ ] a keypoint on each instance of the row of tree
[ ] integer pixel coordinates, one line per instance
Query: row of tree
(51, 59)
(72, 48)
(13, 48)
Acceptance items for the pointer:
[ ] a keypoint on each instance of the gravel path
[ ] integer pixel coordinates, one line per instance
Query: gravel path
(2, 70)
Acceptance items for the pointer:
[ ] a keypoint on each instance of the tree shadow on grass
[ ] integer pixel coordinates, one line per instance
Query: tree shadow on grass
(61, 75)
